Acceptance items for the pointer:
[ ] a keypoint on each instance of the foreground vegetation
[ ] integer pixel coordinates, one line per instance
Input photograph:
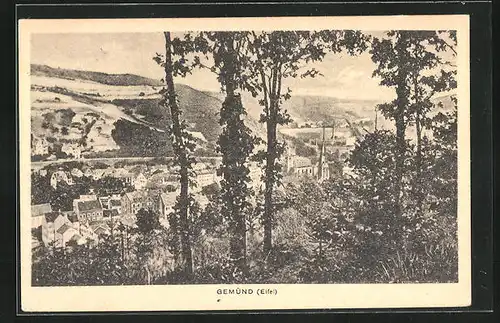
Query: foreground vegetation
(392, 220)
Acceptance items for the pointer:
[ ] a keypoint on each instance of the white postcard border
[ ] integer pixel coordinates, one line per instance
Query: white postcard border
(289, 296)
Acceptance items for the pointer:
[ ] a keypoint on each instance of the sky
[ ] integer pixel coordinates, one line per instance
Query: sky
(344, 77)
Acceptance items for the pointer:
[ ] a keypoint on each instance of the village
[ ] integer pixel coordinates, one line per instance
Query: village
(155, 187)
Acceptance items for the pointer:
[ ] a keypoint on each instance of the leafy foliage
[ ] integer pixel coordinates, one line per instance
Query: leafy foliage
(392, 219)
(140, 140)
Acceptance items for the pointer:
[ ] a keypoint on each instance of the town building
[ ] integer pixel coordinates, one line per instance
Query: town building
(65, 233)
(166, 204)
(72, 150)
(298, 165)
(39, 146)
(97, 174)
(60, 176)
(75, 172)
(111, 202)
(322, 171)
(109, 214)
(140, 181)
(198, 135)
(124, 175)
(132, 202)
(205, 177)
(38, 212)
(161, 179)
(88, 208)
(51, 223)
(100, 228)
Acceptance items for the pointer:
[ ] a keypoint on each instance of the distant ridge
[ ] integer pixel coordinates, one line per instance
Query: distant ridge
(99, 77)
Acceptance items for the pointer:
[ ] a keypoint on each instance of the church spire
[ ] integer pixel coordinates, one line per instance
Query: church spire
(321, 156)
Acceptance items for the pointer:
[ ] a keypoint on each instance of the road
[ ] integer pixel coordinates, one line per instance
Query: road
(42, 164)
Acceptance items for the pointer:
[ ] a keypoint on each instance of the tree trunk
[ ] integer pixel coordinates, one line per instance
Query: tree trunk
(123, 248)
(234, 182)
(180, 150)
(402, 103)
(418, 159)
(418, 163)
(270, 182)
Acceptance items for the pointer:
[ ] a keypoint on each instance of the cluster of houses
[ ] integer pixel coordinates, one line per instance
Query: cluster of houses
(140, 176)
(94, 215)
(40, 146)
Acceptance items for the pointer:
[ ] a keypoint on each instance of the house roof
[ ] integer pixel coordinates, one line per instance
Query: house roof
(100, 230)
(135, 195)
(51, 216)
(116, 202)
(121, 173)
(108, 213)
(89, 205)
(137, 170)
(60, 175)
(142, 195)
(76, 172)
(98, 224)
(63, 228)
(168, 198)
(40, 209)
(98, 172)
(197, 135)
(76, 237)
(72, 217)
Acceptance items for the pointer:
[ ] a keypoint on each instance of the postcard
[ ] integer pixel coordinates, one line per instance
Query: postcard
(270, 163)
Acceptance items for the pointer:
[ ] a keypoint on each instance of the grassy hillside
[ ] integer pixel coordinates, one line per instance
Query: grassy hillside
(135, 108)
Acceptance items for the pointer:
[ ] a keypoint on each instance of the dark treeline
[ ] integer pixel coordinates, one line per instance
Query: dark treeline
(392, 220)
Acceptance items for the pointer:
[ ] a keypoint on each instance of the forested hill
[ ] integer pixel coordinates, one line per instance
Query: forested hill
(104, 78)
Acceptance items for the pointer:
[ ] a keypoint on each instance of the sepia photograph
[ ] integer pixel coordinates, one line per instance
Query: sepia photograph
(244, 163)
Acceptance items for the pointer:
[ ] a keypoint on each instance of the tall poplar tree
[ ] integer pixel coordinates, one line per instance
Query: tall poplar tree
(183, 147)
(225, 54)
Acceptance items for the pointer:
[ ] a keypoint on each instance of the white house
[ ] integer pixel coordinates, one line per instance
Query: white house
(76, 172)
(140, 181)
(166, 204)
(198, 135)
(111, 202)
(72, 150)
(51, 223)
(100, 228)
(124, 175)
(65, 233)
(97, 174)
(60, 176)
(205, 177)
(39, 146)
